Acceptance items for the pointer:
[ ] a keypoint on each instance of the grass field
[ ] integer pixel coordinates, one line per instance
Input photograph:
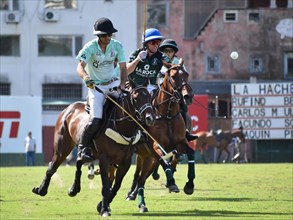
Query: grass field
(223, 191)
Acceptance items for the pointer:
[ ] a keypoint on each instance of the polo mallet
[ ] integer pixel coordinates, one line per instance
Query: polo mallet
(166, 155)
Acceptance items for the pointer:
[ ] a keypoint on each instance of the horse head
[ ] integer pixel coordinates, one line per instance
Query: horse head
(178, 79)
(140, 99)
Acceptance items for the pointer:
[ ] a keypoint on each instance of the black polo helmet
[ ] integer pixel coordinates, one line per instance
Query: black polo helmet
(169, 43)
(103, 26)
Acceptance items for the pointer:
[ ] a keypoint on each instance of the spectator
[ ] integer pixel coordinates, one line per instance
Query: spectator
(30, 149)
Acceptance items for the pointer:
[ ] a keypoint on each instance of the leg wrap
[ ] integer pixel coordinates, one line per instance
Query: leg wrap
(140, 194)
(191, 167)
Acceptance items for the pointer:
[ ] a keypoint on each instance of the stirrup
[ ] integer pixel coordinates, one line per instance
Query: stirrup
(85, 155)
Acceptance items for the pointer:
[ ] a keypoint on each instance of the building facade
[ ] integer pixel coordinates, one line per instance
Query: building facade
(207, 33)
(39, 41)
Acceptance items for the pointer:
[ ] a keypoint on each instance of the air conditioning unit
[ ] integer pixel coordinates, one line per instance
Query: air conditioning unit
(12, 17)
(51, 15)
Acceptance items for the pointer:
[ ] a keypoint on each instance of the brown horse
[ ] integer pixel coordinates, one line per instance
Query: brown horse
(204, 139)
(168, 131)
(224, 138)
(68, 129)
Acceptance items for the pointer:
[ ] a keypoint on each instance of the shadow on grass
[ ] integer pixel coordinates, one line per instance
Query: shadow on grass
(210, 213)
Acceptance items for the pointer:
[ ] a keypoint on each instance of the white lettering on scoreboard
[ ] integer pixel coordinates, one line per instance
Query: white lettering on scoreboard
(264, 110)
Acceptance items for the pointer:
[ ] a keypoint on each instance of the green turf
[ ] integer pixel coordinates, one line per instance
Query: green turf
(223, 191)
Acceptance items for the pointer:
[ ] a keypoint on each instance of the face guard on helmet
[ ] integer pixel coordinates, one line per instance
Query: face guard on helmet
(151, 34)
(103, 26)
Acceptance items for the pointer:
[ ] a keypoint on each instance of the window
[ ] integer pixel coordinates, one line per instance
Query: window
(5, 88)
(224, 106)
(10, 45)
(9, 5)
(157, 13)
(253, 16)
(58, 45)
(60, 4)
(230, 16)
(256, 65)
(288, 65)
(212, 64)
(57, 96)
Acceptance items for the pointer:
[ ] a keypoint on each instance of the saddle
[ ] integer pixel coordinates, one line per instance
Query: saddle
(108, 110)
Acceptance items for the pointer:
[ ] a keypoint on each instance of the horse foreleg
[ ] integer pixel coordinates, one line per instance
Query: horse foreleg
(75, 188)
(43, 189)
(131, 195)
(219, 155)
(203, 156)
(189, 186)
(228, 154)
(171, 185)
(120, 174)
(103, 207)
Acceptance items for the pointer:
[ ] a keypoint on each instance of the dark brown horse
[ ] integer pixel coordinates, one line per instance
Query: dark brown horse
(224, 138)
(169, 133)
(68, 129)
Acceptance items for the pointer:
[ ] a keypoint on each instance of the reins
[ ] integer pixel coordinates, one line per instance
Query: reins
(119, 106)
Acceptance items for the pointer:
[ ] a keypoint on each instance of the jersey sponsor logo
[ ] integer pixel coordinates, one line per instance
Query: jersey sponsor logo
(146, 72)
(96, 63)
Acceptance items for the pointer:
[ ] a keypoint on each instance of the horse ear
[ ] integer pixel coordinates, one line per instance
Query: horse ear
(181, 61)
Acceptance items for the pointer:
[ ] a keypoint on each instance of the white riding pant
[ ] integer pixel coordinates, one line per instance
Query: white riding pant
(97, 99)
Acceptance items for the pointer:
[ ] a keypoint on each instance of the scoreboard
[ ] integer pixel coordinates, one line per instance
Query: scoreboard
(264, 110)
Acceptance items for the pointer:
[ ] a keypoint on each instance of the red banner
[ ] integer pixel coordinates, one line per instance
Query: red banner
(198, 111)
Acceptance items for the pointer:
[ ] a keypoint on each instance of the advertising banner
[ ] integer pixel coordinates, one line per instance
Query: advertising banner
(198, 112)
(18, 116)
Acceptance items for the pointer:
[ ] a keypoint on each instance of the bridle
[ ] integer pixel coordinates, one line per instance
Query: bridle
(133, 101)
(175, 95)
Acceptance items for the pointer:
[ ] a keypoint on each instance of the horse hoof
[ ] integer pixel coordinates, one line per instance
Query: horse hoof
(130, 198)
(37, 191)
(143, 208)
(188, 189)
(156, 176)
(173, 188)
(90, 176)
(106, 214)
(73, 192)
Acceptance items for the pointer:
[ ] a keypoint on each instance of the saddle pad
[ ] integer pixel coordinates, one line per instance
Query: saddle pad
(120, 139)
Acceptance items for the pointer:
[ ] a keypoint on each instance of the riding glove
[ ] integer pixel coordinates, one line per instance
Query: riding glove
(142, 55)
(89, 82)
